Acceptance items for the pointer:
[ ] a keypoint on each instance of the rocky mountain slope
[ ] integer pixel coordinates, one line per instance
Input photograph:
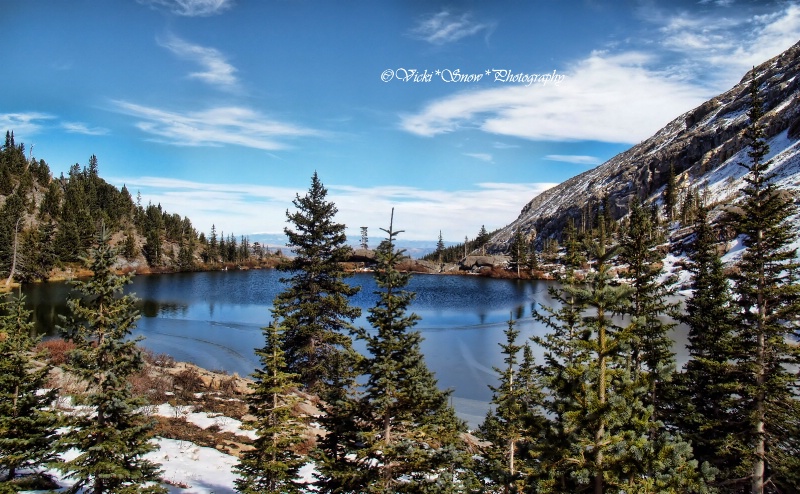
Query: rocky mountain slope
(704, 145)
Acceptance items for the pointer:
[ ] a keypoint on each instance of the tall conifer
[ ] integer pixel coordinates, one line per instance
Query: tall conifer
(27, 424)
(314, 310)
(114, 438)
(769, 309)
(273, 465)
(408, 431)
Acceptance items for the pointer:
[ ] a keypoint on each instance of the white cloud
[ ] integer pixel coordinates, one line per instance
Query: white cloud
(214, 127)
(245, 209)
(575, 159)
(217, 71)
(191, 8)
(609, 98)
(722, 48)
(23, 124)
(81, 128)
(446, 27)
(480, 156)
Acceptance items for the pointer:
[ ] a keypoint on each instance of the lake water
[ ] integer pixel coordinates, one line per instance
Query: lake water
(213, 319)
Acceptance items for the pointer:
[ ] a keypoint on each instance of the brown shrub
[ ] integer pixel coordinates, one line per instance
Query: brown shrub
(56, 349)
(188, 381)
(149, 385)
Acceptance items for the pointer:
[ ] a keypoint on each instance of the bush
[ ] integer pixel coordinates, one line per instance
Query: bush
(56, 349)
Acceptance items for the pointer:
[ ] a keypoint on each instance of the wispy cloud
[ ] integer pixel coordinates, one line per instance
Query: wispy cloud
(216, 69)
(23, 124)
(214, 127)
(723, 47)
(81, 128)
(421, 213)
(447, 27)
(191, 8)
(620, 96)
(609, 98)
(575, 159)
(481, 156)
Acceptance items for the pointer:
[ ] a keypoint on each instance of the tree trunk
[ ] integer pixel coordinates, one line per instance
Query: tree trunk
(601, 398)
(14, 257)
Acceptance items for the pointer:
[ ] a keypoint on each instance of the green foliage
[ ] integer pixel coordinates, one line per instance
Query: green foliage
(314, 310)
(519, 251)
(513, 427)
(273, 465)
(707, 387)
(27, 425)
(768, 298)
(408, 434)
(115, 438)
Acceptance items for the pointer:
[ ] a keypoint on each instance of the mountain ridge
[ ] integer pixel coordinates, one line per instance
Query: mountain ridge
(698, 144)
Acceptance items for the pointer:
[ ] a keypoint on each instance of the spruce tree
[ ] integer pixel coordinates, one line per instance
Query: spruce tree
(602, 433)
(409, 433)
(273, 465)
(512, 427)
(652, 358)
(114, 439)
(314, 310)
(768, 295)
(519, 251)
(708, 385)
(670, 194)
(27, 424)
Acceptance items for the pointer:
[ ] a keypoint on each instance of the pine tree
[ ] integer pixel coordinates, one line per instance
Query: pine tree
(482, 239)
(519, 251)
(768, 295)
(273, 465)
(314, 309)
(27, 424)
(114, 439)
(708, 382)
(439, 249)
(652, 358)
(601, 436)
(409, 432)
(511, 425)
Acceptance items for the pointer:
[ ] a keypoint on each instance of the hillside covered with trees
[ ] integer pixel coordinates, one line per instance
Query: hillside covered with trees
(48, 222)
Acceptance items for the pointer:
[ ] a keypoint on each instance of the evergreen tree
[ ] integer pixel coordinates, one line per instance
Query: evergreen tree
(768, 295)
(409, 432)
(603, 434)
(27, 424)
(708, 382)
(114, 439)
(519, 251)
(314, 309)
(482, 239)
(439, 252)
(651, 345)
(273, 465)
(512, 425)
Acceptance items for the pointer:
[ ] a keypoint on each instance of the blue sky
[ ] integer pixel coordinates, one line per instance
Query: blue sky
(221, 110)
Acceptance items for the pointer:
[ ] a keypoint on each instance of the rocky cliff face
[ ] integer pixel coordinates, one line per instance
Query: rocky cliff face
(704, 145)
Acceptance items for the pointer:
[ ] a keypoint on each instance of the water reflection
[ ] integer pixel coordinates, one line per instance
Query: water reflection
(215, 319)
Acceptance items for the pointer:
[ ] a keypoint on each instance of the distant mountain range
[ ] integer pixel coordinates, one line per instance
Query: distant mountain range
(704, 146)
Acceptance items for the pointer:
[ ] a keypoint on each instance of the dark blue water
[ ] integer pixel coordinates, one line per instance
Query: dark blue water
(213, 319)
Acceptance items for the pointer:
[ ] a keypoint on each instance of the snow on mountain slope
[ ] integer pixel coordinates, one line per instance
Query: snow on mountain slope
(703, 145)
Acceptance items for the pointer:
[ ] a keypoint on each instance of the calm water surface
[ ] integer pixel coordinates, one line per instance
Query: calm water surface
(213, 319)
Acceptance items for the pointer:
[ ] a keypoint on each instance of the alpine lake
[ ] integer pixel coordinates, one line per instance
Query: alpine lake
(214, 320)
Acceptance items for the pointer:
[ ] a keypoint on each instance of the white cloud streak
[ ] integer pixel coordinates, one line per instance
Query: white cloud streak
(575, 159)
(619, 97)
(214, 127)
(246, 209)
(609, 98)
(481, 156)
(24, 123)
(447, 27)
(191, 8)
(82, 128)
(217, 71)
